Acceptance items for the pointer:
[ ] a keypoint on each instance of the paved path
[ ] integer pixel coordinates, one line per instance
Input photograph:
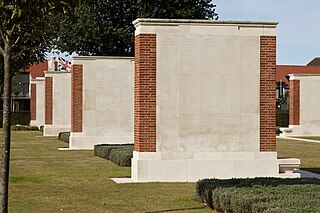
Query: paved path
(299, 139)
(306, 174)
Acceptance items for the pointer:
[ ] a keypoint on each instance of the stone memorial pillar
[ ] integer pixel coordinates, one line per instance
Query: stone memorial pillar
(204, 104)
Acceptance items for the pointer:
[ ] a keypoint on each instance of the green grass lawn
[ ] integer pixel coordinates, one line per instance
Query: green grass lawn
(43, 179)
(309, 153)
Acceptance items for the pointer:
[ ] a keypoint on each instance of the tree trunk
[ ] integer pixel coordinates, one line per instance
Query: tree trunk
(7, 55)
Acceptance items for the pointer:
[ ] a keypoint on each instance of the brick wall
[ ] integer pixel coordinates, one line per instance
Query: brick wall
(267, 93)
(76, 98)
(294, 113)
(33, 101)
(145, 93)
(48, 84)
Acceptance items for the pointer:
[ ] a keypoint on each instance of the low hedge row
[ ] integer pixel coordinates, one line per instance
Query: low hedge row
(18, 127)
(64, 136)
(260, 195)
(282, 198)
(282, 118)
(120, 154)
(22, 118)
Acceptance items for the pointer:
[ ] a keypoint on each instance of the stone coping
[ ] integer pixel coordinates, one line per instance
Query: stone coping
(150, 21)
(101, 57)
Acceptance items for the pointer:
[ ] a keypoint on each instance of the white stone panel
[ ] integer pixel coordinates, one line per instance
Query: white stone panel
(61, 103)
(107, 102)
(40, 97)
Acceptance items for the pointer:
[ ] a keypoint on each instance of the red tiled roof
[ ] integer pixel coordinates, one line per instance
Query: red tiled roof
(37, 69)
(284, 70)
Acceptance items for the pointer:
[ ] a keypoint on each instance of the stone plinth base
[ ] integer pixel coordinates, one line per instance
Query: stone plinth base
(190, 167)
(54, 130)
(300, 130)
(79, 141)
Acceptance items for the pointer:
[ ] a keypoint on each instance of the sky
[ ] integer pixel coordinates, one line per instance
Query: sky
(298, 32)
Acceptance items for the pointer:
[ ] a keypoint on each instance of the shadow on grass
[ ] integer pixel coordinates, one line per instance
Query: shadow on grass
(314, 170)
(173, 210)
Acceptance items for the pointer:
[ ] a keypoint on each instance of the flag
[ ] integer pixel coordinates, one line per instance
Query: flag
(64, 64)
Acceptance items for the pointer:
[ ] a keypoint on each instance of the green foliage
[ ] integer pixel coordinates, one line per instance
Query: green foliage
(22, 118)
(120, 154)
(282, 118)
(101, 27)
(64, 136)
(18, 127)
(266, 193)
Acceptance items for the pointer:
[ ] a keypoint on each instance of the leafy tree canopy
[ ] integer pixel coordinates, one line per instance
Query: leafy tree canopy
(104, 27)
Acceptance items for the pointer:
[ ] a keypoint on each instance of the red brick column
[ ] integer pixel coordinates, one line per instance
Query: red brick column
(33, 101)
(76, 97)
(145, 93)
(48, 84)
(294, 113)
(267, 93)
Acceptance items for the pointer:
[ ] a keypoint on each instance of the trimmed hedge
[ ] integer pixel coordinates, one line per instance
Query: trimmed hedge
(260, 195)
(282, 118)
(22, 118)
(120, 154)
(64, 136)
(18, 127)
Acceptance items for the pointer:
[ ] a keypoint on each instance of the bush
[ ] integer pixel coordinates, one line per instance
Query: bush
(64, 136)
(259, 194)
(120, 154)
(22, 118)
(282, 118)
(18, 127)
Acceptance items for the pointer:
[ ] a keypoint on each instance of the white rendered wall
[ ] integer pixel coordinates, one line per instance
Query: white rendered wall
(39, 82)
(208, 102)
(61, 103)
(309, 105)
(107, 102)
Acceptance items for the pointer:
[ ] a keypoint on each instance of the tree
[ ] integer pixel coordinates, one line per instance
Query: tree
(104, 27)
(24, 34)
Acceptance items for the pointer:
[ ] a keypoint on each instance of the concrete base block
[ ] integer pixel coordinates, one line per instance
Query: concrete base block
(54, 130)
(79, 141)
(154, 167)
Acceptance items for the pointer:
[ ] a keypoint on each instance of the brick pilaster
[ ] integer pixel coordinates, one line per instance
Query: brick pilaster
(33, 101)
(76, 99)
(48, 100)
(294, 113)
(267, 93)
(145, 93)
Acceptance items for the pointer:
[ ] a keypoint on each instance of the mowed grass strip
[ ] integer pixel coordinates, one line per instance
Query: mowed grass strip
(307, 152)
(44, 179)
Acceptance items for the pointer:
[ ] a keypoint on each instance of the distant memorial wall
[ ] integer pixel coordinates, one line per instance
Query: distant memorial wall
(102, 101)
(57, 102)
(37, 101)
(304, 116)
(204, 104)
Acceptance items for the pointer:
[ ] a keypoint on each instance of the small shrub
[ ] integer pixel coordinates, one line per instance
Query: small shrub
(120, 154)
(18, 127)
(64, 136)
